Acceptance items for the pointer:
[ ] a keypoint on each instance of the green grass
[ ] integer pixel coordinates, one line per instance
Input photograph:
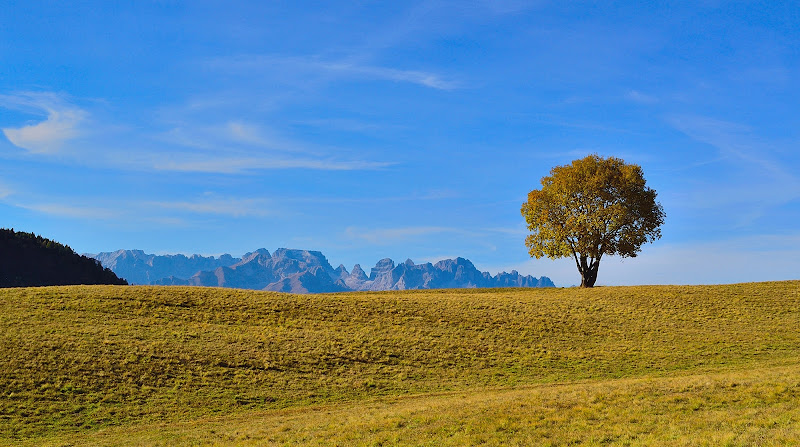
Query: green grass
(744, 407)
(173, 366)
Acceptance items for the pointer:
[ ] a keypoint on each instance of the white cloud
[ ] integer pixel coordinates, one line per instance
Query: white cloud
(61, 124)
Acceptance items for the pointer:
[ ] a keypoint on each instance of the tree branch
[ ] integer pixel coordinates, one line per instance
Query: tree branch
(574, 254)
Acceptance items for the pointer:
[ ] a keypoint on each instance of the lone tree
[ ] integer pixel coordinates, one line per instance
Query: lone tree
(593, 207)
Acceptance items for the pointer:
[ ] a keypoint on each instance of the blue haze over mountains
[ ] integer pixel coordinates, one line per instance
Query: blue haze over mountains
(303, 271)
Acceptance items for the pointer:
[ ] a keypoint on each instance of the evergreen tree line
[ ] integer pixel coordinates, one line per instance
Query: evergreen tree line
(29, 260)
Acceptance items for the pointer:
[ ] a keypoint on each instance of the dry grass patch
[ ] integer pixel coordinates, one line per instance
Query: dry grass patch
(735, 408)
(80, 359)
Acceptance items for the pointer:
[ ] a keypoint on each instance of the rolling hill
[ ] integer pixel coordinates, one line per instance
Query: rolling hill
(108, 365)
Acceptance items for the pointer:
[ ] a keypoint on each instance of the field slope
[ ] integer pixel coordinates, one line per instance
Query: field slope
(109, 365)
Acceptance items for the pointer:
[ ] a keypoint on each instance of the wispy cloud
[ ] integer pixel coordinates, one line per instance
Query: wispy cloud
(193, 144)
(350, 125)
(642, 98)
(62, 121)
(317, 67)
(426, 196)
(510, 231)
(223, 206)
(423, 78)
(245, 133)
(238, 146)
(237, 165)
(5, 191)
(559, 121)
(733, 140)
(393, 235)
(229, 147)
(168, 221)
(502, 7)
(226, 136)
(73, 211)
(180, 212)
(764, 181)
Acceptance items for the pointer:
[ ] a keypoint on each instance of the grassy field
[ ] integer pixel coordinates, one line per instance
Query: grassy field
(666, 365)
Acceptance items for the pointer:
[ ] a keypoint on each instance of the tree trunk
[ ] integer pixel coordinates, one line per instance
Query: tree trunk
(588, 279)
(588, 270)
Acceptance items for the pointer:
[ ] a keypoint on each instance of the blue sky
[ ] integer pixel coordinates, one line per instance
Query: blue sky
(401, 129)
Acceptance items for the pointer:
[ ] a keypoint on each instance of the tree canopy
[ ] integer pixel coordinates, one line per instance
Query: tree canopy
(592, 207)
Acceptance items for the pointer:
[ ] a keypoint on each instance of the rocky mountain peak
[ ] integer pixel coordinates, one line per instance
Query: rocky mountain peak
(261, 253)
(383, 266)
(304, 271)
(359, 273)
(341, 272)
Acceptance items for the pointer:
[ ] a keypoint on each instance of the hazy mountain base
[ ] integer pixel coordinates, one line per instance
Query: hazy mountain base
(303, 271)
(81, 359)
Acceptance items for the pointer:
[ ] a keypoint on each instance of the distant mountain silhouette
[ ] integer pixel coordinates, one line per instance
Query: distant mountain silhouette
(140, 268)
(28, 260)
(303, 271)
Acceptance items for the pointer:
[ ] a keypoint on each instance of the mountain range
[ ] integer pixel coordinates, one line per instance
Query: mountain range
(303, 271)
